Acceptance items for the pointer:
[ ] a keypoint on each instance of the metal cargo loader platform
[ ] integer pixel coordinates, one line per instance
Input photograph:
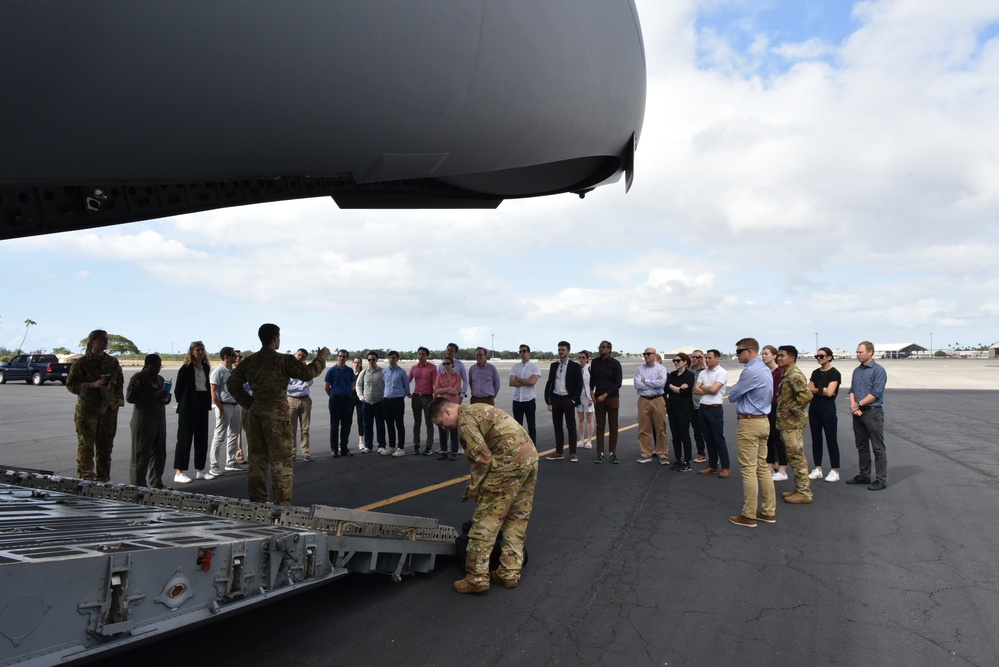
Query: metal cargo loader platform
(88, 567)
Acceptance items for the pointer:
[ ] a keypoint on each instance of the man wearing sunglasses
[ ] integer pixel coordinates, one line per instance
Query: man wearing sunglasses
(753, 394)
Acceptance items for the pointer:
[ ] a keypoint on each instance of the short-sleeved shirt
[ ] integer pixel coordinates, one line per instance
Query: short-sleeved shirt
(822, 379)
(524, 372)
(218, 377)
(708, 378)
(340, 380)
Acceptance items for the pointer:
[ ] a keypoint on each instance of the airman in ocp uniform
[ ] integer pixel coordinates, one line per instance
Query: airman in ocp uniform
(271, 444)
(97, 380)
(504, 472)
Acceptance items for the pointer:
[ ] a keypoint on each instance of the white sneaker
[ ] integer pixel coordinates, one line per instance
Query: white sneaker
(780, 477)
(181, 478)
(386, 452)
(216, 472)
(588, 445)
(363, 450)
(833, 476)
(644, 459)
(816, 473)
(400, 452)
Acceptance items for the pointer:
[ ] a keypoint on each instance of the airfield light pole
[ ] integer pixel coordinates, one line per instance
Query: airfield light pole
(816, 341)
(931, 345)
(492, 352)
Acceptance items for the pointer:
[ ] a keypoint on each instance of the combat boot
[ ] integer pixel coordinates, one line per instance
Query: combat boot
(466, 586)
(505, 583)
(798, 499)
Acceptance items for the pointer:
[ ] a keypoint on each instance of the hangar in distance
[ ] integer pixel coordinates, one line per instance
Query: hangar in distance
(117, 111)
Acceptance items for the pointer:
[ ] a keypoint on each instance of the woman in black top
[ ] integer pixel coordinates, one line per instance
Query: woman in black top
(824, 385)
(194, 402)
(679, 409)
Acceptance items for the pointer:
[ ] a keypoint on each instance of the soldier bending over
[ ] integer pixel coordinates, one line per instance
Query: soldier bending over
(504, 472)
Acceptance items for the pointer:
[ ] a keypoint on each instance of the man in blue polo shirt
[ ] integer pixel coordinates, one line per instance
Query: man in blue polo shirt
(752, 395)
(867, 391)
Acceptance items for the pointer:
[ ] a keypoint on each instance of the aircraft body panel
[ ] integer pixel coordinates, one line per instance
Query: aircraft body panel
(494, 99)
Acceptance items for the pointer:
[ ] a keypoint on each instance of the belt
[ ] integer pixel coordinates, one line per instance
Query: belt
(711, 405)
(752, 416)
(228, 403)
(422, 394)
(651, 397)
(340, 395)
(869, 407)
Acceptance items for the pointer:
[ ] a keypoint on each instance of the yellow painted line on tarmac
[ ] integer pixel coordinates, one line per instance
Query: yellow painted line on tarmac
(444, 485)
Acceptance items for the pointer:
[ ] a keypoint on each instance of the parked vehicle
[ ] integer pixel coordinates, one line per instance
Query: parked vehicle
(36, 369)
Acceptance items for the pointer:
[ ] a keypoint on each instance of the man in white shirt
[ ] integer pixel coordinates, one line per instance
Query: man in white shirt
(227, 416)
(710, 386)
(523, 377)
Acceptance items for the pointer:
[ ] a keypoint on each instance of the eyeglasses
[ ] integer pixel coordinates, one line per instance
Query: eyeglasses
(447, 363)
(821, 356)
(678, 361)
(740, 350)
(696, 356)
(372, 358)
(646, 354)
(523, 351)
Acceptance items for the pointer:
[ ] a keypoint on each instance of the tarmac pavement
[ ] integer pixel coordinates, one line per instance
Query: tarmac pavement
(637, 564)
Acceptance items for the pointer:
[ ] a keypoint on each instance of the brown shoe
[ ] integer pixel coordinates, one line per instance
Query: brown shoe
(740, 521)
(465, 586)
(707, 471)
(787, 493)
(725, 473)
(769, 518)
(798, 499)
(701, 458)
(505, 583)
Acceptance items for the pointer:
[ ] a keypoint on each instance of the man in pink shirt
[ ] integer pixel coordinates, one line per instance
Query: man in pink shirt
(423, 374)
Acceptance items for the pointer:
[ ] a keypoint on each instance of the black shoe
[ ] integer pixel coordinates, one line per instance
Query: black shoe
(600, 458)
(427, 451)
(452, 456)
(613, 458)
(675, 466)
(859, 479)
(684, 467)
(442, 456)
(878, 485)
(346, 452)
(336, 454)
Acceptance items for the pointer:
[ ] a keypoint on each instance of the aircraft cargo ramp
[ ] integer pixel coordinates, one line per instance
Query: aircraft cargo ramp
(87, 567)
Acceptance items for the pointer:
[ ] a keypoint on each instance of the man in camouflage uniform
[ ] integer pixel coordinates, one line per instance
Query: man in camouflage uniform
(268, 429)
(504, 472)
(97, 380)
(792, 403)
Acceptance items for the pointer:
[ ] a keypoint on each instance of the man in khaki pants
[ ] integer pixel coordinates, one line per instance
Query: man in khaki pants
(752, 395)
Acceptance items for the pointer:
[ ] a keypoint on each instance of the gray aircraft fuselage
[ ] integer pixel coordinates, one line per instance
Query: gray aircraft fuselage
(117, 111)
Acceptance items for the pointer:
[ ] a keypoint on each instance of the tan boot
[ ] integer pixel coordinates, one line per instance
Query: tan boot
(797, 499)
(466, 586)
(505, 583)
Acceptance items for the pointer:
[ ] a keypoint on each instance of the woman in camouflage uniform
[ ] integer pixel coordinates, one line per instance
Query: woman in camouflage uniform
(97, 381)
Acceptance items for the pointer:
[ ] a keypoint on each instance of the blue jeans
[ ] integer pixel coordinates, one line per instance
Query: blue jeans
(713, 429)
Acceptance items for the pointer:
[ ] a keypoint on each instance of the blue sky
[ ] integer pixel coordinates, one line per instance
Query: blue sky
(804, 167)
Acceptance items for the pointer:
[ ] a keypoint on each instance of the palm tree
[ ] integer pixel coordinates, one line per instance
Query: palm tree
(27, 323)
